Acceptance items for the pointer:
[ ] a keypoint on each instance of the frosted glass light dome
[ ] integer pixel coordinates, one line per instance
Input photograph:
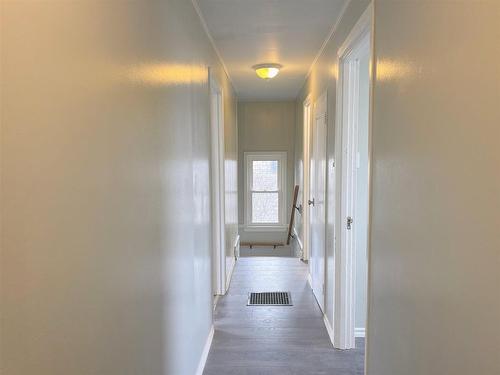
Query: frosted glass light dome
(267, 71)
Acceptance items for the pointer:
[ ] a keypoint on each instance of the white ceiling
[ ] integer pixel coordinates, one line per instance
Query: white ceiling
(288, 32)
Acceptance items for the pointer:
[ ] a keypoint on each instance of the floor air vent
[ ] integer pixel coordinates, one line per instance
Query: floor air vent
(269, 299)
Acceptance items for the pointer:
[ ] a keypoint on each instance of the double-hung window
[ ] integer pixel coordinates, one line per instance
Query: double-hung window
(265, 189)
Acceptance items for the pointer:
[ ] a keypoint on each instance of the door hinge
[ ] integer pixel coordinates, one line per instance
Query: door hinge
(349, 222)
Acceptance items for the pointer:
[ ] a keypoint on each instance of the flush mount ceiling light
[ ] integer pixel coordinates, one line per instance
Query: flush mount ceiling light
(267, 71)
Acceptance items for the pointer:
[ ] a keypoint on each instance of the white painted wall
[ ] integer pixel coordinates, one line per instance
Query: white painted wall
(105, 258)
(361, 214)
(435, 243)
(323, 77)
(266, 126)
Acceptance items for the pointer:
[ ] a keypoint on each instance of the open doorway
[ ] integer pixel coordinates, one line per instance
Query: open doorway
(352, 212)
(217, 179)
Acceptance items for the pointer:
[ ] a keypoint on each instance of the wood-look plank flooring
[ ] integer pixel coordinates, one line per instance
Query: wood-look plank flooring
(264, 340)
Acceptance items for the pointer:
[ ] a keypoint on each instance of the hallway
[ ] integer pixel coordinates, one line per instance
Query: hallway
(155, 154)
(263, 340)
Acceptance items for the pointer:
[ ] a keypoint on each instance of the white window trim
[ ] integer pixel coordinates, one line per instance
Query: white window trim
(281, 156)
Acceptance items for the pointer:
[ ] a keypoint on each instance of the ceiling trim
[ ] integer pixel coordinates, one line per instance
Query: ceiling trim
(212, 41)
(327, 39)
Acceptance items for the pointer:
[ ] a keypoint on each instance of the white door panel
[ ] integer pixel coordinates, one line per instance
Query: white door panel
(318, 200)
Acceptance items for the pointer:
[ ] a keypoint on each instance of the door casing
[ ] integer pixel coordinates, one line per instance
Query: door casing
(358, 41)
(217, 182)
(306, 177)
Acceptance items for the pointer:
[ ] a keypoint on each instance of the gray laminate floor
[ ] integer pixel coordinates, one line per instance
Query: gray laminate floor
(261, 340)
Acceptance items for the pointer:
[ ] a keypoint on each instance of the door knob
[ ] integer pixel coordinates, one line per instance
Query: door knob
(310, 202)
(349, 222)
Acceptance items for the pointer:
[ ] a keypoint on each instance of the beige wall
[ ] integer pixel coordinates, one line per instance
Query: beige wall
(323, 79)
(266, 126)
(435, 244)
(105, 257)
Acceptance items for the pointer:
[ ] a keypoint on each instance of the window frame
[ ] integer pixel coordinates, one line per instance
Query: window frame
(250, 157)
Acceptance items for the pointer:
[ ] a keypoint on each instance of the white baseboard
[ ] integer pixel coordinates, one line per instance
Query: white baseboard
(236, 247)
(206, 350)
(359, 332)
(216, 301)
(309, 280)
(297, 237)
(329, 328)
(230, 274)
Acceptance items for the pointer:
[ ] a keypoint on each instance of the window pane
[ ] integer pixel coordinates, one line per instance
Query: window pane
(265, 208)
(265, 175)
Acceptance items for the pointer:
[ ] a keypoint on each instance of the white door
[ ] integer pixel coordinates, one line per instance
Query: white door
(348, 194)
(317, 201)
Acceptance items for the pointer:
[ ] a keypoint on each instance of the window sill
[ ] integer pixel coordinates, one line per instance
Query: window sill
(264, 228)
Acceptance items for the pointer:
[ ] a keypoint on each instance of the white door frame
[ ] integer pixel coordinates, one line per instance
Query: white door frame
(344, 307)
(307, 117)
(217, 182)
(318, 280)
